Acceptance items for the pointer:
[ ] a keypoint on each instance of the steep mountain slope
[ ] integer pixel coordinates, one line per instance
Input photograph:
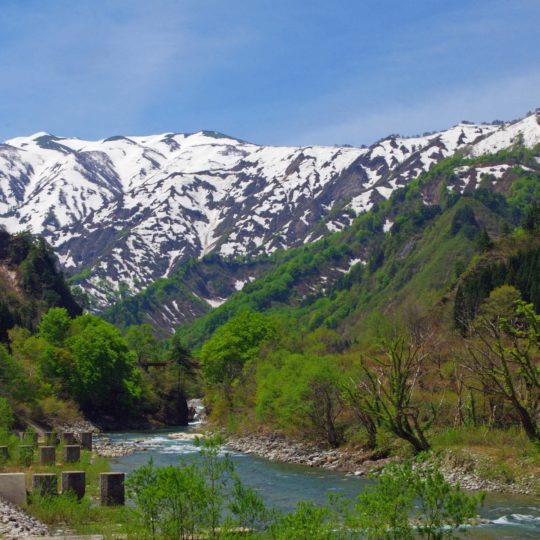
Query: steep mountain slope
(125, 211)
(409, 250)
(313, 269)
(190, 292)
(30, 282)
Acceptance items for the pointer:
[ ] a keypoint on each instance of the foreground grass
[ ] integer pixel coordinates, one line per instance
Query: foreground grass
(65, 512)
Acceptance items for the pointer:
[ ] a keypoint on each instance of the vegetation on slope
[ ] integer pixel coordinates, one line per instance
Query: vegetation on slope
(85, 365)
(420, 258)
(30, 282)
(183, 293)
(57, 364)
(373, 358)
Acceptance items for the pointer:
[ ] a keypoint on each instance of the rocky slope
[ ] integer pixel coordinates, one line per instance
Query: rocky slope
(124, 211)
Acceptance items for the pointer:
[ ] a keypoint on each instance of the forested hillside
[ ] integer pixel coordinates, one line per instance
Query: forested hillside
(58, 365)
(30, 282)
(409, 249)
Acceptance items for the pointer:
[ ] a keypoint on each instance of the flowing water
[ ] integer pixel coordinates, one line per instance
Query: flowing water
(283, 485)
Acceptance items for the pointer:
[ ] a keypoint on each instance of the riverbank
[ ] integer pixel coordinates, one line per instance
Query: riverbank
(276, 447)
(463, 467)
(104, 447)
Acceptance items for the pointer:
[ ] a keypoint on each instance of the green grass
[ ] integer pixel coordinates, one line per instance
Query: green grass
(500, 455)
(83, 517)
(65, 511)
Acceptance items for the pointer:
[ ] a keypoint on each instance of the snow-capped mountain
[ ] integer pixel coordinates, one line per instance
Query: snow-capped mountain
(127, 210)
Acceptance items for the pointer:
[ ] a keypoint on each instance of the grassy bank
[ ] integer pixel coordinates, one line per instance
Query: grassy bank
(503, 457)
(64, 512)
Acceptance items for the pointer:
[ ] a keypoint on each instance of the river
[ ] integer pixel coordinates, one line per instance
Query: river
(283, 485)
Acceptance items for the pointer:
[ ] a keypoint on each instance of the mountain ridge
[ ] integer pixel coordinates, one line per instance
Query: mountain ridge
(124, 211)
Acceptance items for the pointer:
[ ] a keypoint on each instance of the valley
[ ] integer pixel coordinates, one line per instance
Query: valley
(401, 329)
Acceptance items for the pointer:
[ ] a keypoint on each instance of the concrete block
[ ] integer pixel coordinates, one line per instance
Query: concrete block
(45, 484)
(72, 453)
(74, 481)
(13, 488)
(68, 437)
(111, 486)
(87, 439)
(47, 455)
(28, 437)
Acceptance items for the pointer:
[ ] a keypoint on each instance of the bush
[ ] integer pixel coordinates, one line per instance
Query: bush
(55, 411)
(6, 415)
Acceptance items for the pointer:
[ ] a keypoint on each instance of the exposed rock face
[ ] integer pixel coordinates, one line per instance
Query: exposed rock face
(175, 410)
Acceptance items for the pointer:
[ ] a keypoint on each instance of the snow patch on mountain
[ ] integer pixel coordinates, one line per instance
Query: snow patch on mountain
(129, 210)
(526, 131)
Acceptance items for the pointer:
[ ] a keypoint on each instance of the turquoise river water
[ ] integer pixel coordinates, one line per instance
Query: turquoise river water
(283, 485)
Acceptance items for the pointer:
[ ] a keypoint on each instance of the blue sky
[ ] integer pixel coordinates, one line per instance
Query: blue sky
(268, 71)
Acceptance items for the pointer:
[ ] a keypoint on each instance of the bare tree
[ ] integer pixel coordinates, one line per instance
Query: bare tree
(389, 385)
(504, 354)
(356, 399)
(325, 393)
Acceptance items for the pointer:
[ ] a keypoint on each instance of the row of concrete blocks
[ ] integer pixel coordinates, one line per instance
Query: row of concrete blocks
(111, 486)
(50, 438)
(47, 454)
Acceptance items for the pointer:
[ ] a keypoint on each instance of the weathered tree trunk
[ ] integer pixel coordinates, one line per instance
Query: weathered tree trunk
(529, 425)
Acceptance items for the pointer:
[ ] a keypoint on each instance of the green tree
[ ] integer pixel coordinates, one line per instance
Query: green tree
(383, 511)
(141, 340)
(483, 240)
(388, 387)
(105, 379)
(443, 509)
(180, 355)
(302, 392)
(14, 381)
(306, 522)
(56, 366)
(191, 500)
(7, 418)
(54, 326)
(504, 356)
(238, 341)
(531, 222)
